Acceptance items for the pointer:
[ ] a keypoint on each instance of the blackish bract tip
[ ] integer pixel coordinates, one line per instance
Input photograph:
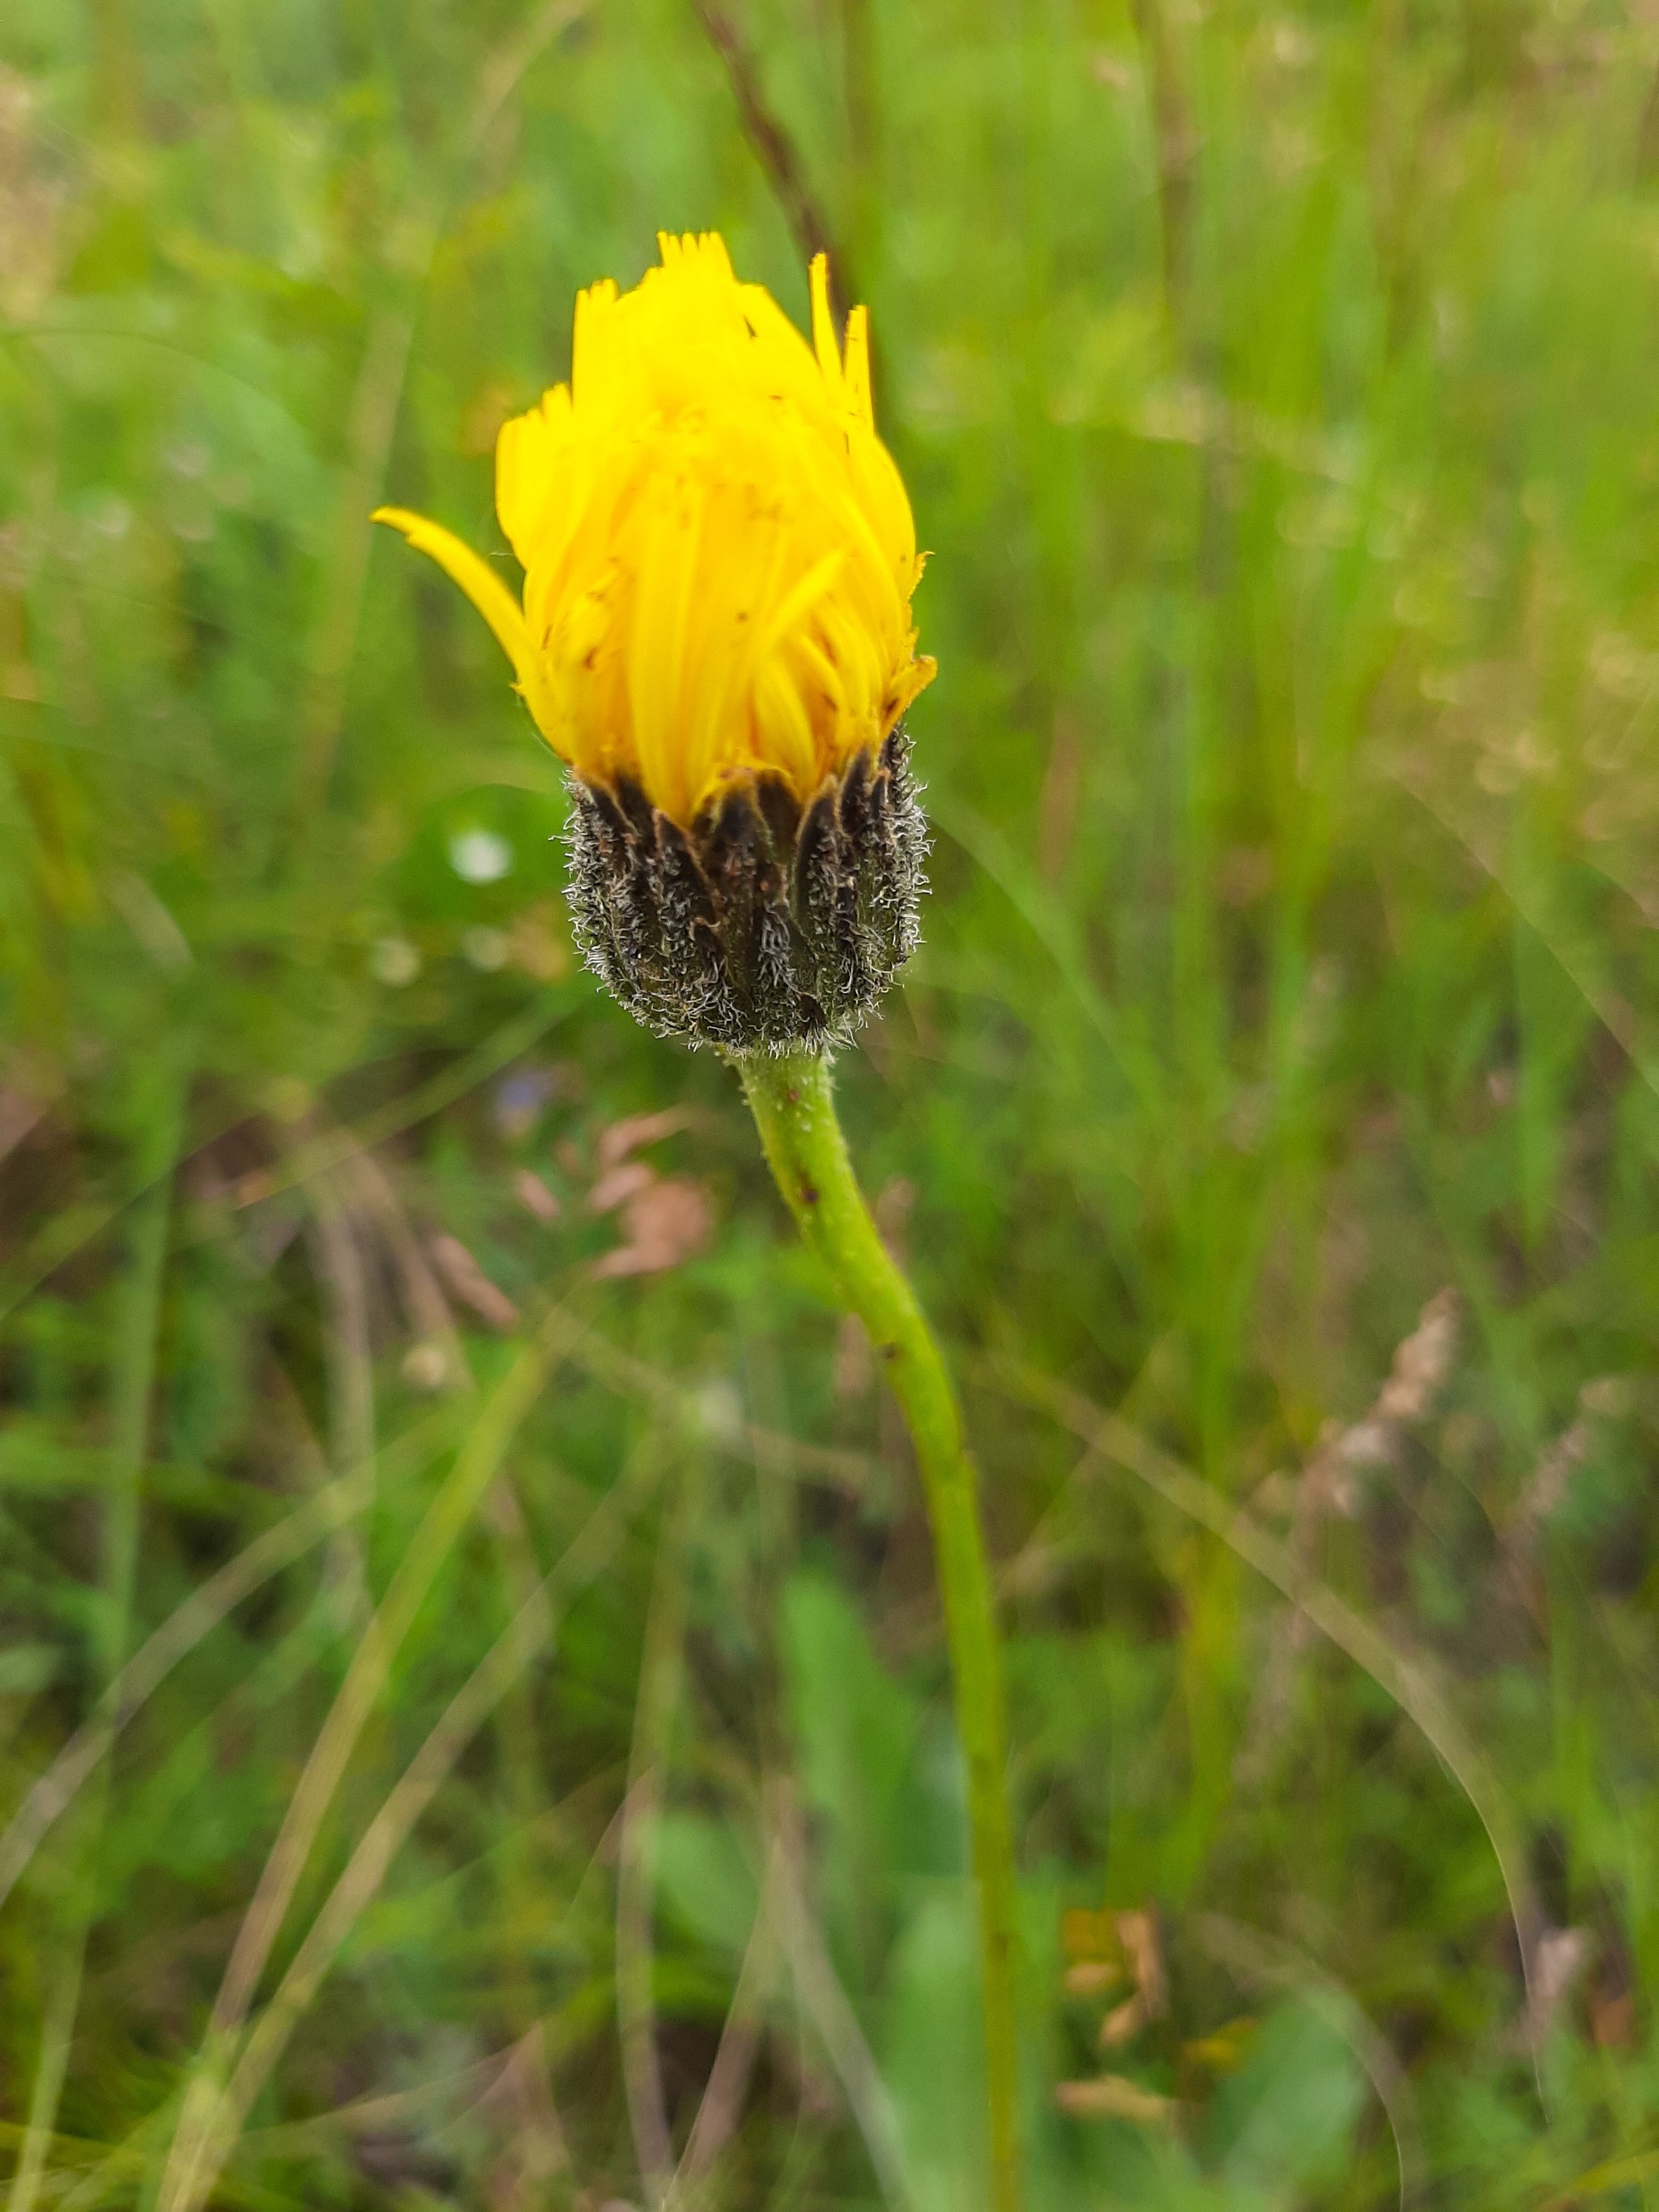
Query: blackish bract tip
(767, 926)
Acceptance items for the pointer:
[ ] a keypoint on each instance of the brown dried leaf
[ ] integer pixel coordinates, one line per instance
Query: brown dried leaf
(1092, 1978)
(534, 1194)
(1137, 1932)
(667, 1223)
(1613, 2020)
(1560, 1957)
(470, 1284)
(619, 1184)
(1421, 1363)
(1111, 2097)
(627, 1135)
(19, 1112)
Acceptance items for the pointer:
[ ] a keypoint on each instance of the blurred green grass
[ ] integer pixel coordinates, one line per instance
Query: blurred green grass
(1276, 391)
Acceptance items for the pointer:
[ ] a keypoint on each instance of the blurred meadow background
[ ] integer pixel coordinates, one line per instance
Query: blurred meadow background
(473, 1721)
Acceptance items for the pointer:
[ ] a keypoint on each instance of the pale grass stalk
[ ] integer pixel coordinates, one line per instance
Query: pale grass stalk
(391, 2110)
(106, 2168)
(540, 2152)
(189, 2185)
(655, 1705)
(425, 1305)
(531, 1629)
(1404, 1678)
(1623, 1023)
(52, 2062)
(268, 2037)
(827, 2006)
(722, 2105)
(132, 1384)
(1256, 1959)
(339, 1259)
(523, 1780)
(338, 1262)
(476, 1468)
(53, 1792)
(126, 2163)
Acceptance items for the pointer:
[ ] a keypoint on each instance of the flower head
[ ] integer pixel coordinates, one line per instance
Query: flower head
(715, 636)
(719, 553)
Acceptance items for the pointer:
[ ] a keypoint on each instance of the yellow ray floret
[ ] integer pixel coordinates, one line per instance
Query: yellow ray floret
(719, 553)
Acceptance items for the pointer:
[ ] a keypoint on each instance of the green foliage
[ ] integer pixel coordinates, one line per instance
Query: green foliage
(1276, 388)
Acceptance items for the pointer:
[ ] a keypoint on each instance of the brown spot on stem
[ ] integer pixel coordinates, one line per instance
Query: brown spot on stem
(809, 1193)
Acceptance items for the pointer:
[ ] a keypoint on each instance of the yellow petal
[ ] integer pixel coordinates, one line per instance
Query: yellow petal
(804, 596)
(857, 366)
(823, 328)
(487, 592)
(719, 551)
(531, 465)
(911, 682)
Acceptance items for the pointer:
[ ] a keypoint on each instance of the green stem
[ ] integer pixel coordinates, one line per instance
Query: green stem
(794, 1105)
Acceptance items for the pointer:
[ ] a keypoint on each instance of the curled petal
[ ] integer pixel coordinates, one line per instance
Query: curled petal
(488, 594)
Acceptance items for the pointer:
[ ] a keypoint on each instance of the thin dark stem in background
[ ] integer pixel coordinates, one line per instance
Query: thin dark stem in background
(858, 45)
(1175, 144)
(776, 151)
(1647, 135)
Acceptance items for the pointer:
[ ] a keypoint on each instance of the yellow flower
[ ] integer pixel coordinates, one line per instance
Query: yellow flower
(719, 553)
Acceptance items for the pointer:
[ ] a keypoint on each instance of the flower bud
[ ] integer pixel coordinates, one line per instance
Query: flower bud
(716, 637)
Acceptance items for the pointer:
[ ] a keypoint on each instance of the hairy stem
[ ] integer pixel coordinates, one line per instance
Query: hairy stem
(793, 1106)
